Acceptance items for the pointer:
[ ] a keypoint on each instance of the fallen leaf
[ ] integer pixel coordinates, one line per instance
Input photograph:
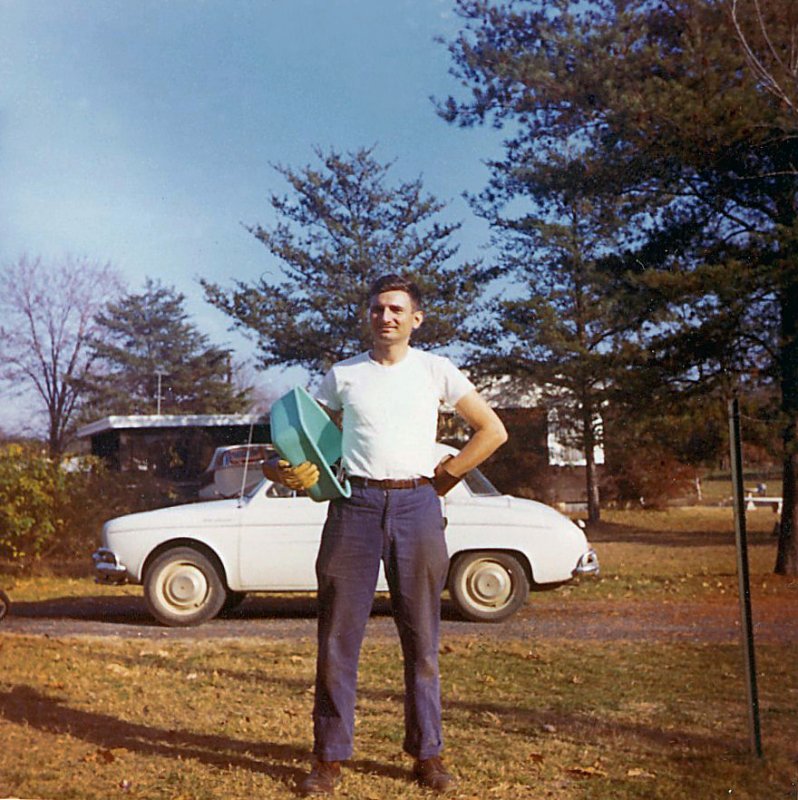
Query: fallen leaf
(101, 756)
(587, 772)
(537, 758)
(549, 728)
(636, 772)
(531, 656)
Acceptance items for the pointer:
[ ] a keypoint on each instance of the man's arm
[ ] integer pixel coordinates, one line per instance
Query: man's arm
(336, 416)
(489, 434)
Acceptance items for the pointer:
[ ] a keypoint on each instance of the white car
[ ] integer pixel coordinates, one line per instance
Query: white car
(194, 560)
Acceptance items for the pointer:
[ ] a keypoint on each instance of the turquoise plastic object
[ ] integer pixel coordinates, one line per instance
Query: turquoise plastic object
(302, 431)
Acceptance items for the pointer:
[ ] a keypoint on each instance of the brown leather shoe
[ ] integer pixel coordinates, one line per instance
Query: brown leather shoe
(323, 778)
(431, 773)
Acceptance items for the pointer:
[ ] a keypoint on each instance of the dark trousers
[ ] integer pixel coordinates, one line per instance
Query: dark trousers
(403, 528)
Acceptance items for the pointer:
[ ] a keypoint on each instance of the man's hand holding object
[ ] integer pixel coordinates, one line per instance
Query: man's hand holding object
(302, 476)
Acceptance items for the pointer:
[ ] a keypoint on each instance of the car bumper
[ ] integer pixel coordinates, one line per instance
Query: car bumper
(108, 568)
(588, 564)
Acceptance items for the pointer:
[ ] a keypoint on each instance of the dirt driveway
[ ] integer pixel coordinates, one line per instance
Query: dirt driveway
(294, 618)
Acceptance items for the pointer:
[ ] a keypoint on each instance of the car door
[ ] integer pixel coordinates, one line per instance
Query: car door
(279, 539)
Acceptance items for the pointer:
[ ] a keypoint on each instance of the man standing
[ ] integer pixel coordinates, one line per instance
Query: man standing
(386, 401)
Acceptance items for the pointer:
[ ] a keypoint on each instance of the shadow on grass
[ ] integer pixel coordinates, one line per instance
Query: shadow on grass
(24, 705)
(127, 610)
(591, 728)
(121, 610)
(514, 719)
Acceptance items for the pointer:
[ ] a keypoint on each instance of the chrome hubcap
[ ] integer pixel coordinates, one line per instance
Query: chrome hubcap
(489, 583)
(184, 586)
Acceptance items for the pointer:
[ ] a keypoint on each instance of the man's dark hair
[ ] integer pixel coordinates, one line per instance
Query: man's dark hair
(397, 283)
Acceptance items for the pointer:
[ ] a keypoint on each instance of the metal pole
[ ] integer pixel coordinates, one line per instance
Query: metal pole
(158, 402)
(744, 583)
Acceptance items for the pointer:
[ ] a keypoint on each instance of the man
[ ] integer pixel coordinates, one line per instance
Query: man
(386, 401)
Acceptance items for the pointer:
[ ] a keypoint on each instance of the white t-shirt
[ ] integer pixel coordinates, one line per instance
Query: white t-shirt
(390, 413)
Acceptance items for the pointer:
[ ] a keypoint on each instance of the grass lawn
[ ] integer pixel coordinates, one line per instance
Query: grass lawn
(718, 490)
(137, 718)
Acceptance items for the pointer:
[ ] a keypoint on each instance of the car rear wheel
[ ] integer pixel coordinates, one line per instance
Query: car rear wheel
(488, 586)
(183, 587)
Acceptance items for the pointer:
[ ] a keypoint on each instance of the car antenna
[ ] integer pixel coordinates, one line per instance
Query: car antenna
(246, 460)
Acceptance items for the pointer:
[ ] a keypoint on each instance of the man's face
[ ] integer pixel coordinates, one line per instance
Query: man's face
(392, 318)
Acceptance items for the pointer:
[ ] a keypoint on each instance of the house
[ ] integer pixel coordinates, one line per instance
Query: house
(539, 459)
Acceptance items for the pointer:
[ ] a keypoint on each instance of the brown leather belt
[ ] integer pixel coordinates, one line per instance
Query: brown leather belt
(388, 483)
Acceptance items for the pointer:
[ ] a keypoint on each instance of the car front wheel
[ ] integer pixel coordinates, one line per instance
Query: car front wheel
(488, 586)
(183, 587)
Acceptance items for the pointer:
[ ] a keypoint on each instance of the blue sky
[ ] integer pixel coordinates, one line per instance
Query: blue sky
(142, 132)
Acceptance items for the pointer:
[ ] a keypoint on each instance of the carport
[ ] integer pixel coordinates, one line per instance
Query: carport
(174, 447)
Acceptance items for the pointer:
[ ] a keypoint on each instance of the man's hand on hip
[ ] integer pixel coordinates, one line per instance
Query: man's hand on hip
(443, 480)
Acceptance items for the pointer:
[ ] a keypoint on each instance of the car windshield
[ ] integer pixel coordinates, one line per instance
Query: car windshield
(478, 485)
(253, 490)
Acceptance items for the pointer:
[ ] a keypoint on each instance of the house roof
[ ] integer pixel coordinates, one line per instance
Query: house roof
(148, 421)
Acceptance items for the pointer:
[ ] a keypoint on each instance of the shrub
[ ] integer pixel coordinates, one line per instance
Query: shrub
(98, 495)
(29, 513)
(647, 476)
(54, 512)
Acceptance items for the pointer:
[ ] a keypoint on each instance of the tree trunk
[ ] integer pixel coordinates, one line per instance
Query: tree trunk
(591, 475)
(787, 558)
(55, 436)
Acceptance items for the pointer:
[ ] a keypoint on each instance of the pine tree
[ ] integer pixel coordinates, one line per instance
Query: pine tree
(703, 158)
(560, 329)
(342, 226)
(154, 359)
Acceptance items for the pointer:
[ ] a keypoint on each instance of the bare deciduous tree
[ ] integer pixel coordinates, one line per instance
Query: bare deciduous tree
(48, 312)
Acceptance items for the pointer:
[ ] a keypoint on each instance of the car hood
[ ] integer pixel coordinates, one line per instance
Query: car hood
(211, 513)
(515, 510)
(508, 501)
